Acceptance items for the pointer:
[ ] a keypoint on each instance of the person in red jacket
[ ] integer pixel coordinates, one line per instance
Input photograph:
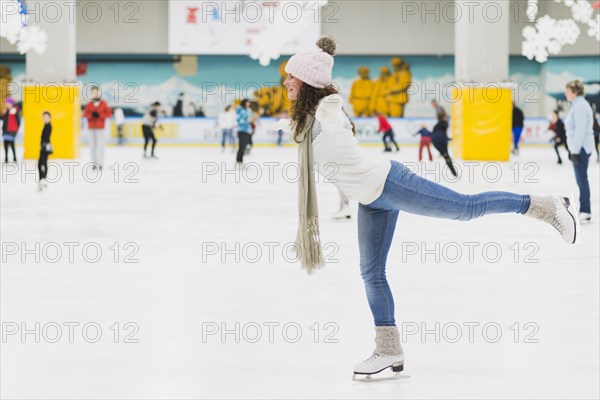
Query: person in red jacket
(388, 132)
(10, 126)
(96, 112)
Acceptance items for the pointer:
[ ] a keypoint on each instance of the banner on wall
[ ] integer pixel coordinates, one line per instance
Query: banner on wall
(229, 27)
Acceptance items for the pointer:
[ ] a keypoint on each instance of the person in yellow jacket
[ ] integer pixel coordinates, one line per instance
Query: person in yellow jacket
(280, 103)
(398, 87)
(360, 93)
(272, 100)
(379, 103)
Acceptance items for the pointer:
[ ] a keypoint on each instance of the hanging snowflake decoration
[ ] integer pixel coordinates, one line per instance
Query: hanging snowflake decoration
(549, 35)
(32, 38)
(582, 11)
(268, 44)
(594, 28)
(15, 29)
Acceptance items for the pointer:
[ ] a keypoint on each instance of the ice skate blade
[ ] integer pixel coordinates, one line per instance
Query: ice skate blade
(369, 378)
(577, 240)
(342, 219)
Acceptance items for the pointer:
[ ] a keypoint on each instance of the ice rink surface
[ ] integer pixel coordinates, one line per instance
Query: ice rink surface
(215, 307)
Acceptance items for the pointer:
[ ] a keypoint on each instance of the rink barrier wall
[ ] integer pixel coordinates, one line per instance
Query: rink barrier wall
(204, 132)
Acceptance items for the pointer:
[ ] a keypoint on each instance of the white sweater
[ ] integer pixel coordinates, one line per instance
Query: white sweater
(339, 157)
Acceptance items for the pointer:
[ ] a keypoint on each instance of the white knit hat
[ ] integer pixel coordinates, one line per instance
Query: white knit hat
(314, 67)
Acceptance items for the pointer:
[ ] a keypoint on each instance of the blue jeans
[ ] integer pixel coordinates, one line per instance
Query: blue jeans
(517, 130)
(406, 191)
(582, 181)
(227, 136)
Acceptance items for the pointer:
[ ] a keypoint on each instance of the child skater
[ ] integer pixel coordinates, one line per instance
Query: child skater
(382, 188)
(45, 150)
(425, 143)
(10, 126)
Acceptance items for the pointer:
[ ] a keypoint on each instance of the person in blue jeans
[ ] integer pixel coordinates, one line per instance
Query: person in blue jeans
(518, 122)
(580, 139)
(383, 189)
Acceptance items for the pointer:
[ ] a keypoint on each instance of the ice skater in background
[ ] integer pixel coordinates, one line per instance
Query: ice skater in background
(254, 121)
(226, 124)
(597, 137)
(518, 122)
(96, 112)
(244, 129)
(119, 116)
(425, 143)
(560, 134)
(440, 113)
(344, 212)
(580, 139)
(388, 132)
(439, 138)
(280, 132)
(45, 151)
(149, 125)
(11, 121)
(383, 188)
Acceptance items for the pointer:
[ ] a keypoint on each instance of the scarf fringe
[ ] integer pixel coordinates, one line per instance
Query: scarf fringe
(308, 244)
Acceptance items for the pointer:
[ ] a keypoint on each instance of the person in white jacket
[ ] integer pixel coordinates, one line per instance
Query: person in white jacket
(119, 117)
(226, 122)
(383, 188)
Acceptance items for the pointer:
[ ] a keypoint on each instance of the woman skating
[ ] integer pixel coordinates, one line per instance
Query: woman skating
(45, 151)
(382, 188)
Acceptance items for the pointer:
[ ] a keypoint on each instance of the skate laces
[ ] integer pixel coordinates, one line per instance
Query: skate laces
(373, 357)
(557, 223)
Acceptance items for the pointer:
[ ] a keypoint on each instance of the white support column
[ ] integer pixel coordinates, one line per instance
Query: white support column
(58, 64)
(482, 106)
(482, 41)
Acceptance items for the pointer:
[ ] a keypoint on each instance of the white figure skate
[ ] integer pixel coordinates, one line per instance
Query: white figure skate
(343, 213)
(560, 212)
(372, 368)
(388, 354)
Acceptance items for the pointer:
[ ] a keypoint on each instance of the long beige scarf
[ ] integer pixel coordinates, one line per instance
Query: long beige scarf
(308, 240)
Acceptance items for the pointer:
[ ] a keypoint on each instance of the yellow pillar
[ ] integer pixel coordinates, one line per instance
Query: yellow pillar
(64, 104)
(481, 123)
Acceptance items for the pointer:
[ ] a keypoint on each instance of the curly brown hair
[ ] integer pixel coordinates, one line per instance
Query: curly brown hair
(306, 103)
